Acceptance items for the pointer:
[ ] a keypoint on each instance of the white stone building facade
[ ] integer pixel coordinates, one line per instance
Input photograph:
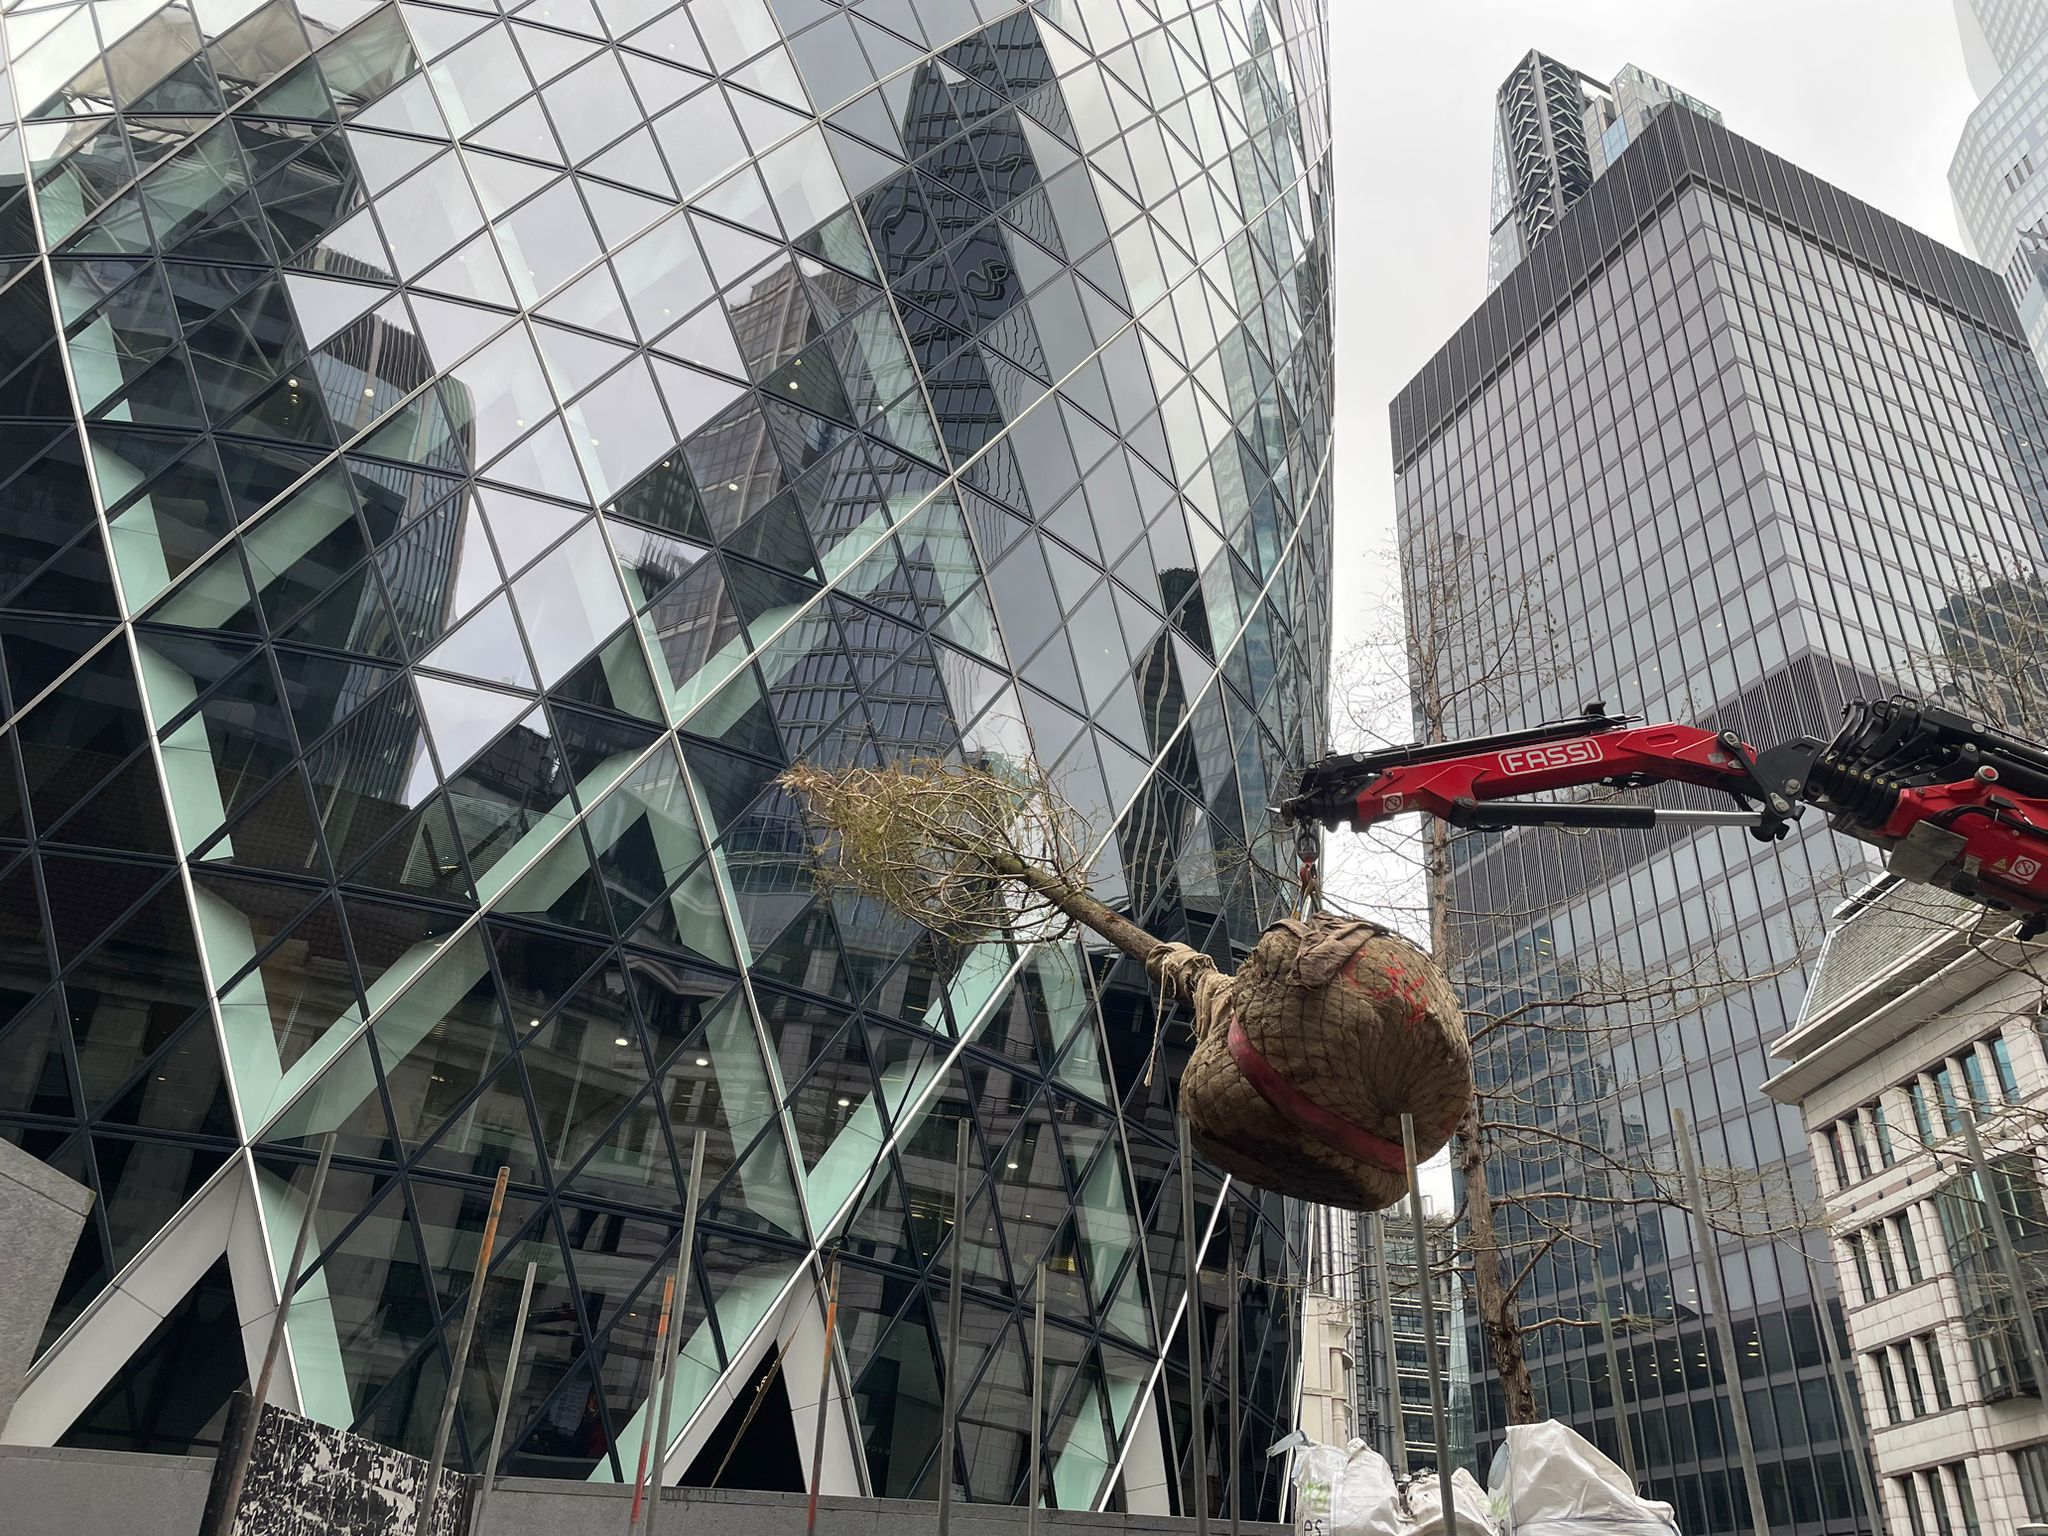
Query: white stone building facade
(1332, 1318)
(1924, 1007)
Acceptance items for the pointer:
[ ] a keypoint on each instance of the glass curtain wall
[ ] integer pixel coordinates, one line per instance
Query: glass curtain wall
(456, 456)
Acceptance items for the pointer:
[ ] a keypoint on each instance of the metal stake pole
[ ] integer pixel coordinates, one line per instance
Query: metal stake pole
(1424, 1295)
(490, 1477)
(1031, 1495)
(245, 1444)
(2008, 1255)
(668, 1297)
(672, 1361)
(824, 1391)
(1724, 1329)
(1838, 1369)
(1236, 1429)
(1628, 1449)
(1397, 1433)
(1191, 1244)
(949, 1374)
(431, 1489)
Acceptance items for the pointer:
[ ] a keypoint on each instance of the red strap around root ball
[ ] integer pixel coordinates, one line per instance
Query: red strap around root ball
(1292, 1104)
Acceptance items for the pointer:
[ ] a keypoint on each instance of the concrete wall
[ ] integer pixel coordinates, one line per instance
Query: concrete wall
(534, 1507)
(41, 1211)
(45, 1492)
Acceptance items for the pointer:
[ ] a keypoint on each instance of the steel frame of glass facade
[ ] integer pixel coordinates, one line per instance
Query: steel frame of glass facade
(1743, 440)
(454, 459)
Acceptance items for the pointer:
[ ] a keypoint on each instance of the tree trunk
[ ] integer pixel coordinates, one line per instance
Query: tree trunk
(1500, 1324)
(1082, 908)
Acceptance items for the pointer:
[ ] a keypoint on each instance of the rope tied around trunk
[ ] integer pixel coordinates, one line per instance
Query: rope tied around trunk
(1185, 974)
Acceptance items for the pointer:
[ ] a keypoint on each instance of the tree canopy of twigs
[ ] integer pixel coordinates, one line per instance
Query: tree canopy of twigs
(973, 853)
(944, 843)
(1547, 1161)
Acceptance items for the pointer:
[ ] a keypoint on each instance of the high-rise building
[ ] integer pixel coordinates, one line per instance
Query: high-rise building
(455, 459)
(1923, 1007)
(1999, 176)
(1338, 1372)
(1365, 1370)
(1555, 131)
(1725, 449)
(1393, 1257)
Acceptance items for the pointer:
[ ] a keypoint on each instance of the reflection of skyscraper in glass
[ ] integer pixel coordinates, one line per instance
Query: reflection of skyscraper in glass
(1555, 132)
(454, 461)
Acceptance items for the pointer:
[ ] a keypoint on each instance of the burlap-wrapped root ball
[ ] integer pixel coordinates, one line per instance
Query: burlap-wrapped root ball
(1307, 1058)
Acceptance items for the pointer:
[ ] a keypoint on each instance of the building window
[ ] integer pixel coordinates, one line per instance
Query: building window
(1945, 1090)
(1888, 1385)
(1917, 1092)
(2031, 1463)
(1988, 1318)
(1916, 1396)
(1909, 1248)
(1875, 1234)
(1833, 1135)
(1973, 1080)
(1912, 1498)
(1938, 1502)
(1854, 1131)
(1966, 1498)
(1937, 1373)
(1862, 1267)
(2001, 1061)
(1885, 1154)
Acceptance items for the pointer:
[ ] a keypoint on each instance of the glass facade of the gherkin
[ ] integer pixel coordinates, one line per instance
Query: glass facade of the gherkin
(454, 459)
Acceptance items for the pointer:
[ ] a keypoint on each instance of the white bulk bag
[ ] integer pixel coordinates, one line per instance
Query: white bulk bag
(1348, 1492)
(1468, 1500)
(1549, 1480)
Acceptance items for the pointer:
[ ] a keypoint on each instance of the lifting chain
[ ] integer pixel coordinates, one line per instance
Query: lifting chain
(1308, 848)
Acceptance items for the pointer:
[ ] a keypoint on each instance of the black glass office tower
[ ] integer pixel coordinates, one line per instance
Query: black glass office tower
(455, 458)
(1734, 442)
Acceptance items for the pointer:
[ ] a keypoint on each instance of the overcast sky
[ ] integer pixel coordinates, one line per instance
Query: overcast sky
(1867, 94)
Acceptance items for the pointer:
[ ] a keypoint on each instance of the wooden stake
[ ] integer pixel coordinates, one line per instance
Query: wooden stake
(671, 1362)
(1425, 1294)
(668, 1296)
(824, 1391)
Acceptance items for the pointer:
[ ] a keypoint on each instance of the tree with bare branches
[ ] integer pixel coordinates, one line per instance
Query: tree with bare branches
(1458, 644)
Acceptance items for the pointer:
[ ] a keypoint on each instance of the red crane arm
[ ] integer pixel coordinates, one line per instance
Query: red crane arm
(1644, 754)
(1953, 801)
